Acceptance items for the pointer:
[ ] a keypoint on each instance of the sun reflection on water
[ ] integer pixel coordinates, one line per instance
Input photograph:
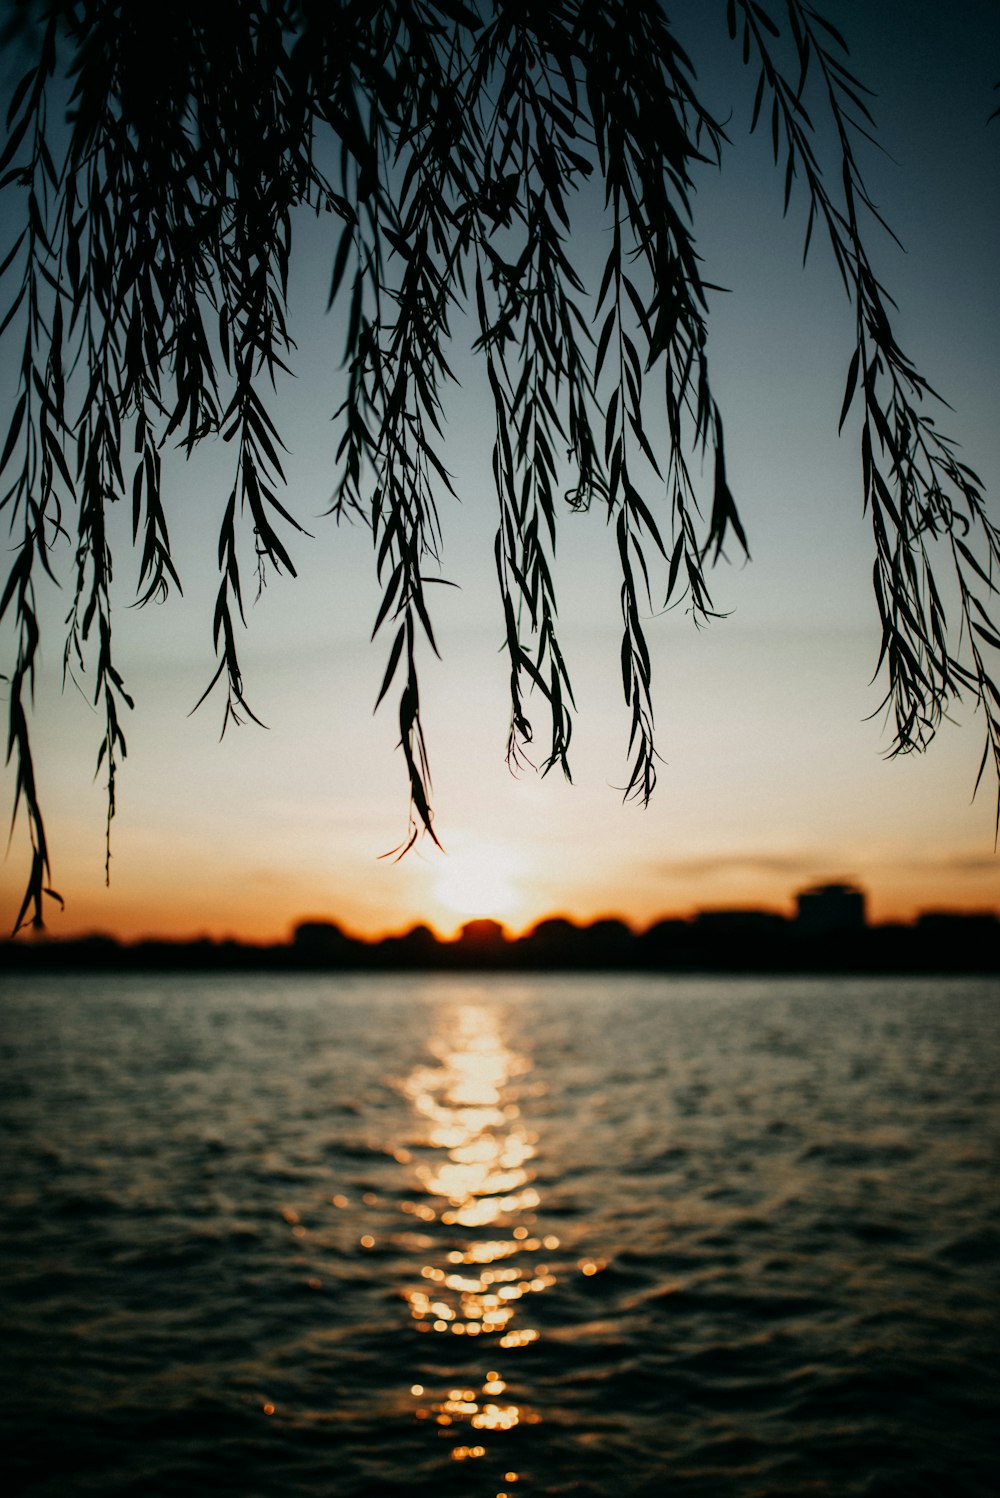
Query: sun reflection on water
(471, 1159)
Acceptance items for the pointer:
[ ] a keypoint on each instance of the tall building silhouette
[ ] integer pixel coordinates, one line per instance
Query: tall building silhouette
(829, 907)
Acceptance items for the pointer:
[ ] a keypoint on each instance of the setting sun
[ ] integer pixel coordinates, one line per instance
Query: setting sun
(479, 881)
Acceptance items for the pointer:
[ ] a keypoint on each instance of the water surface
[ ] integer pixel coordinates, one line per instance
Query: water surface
(368, 1235)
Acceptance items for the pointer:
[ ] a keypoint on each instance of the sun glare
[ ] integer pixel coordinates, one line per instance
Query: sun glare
(480, 881)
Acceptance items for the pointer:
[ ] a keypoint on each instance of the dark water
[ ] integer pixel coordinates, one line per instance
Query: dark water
(500, 1236)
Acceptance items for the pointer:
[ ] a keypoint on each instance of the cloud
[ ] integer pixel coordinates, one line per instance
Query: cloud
(826, 864)
(970, 864)
(807, 863)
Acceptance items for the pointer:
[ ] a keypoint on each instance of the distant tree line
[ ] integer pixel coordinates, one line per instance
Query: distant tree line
(715, 941)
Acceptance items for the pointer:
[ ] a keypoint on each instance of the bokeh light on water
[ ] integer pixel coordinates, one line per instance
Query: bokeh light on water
(463, 1237)
(472, 1153)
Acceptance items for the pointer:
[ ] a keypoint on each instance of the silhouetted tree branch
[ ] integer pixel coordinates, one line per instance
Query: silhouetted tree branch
(154, 161)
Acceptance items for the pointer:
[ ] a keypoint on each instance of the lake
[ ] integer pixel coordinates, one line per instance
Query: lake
(412, 1235)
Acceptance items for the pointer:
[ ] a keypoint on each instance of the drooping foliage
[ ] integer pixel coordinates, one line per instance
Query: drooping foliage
(156, 158)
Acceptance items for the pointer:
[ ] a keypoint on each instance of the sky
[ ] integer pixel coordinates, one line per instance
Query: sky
(773, 771)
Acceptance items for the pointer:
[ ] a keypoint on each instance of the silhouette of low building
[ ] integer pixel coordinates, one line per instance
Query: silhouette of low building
(553, 942)
(734, 939)
(665, 944)
(482, 934)
(959, 924)
(554, 931)
(320, 939)
(608, 942)
(416, 948)
(419, 939)
(826, 908)
(755, 923)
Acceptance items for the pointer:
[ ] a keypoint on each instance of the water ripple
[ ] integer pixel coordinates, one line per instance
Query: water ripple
(432, 1236)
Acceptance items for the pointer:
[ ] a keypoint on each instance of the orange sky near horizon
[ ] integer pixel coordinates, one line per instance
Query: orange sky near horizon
(259, 926)
(495, 880)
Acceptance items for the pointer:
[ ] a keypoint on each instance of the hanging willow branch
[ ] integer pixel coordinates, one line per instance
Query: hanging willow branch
(155, 158)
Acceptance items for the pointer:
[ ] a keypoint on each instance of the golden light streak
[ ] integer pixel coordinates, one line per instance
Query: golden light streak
(472, 1160)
